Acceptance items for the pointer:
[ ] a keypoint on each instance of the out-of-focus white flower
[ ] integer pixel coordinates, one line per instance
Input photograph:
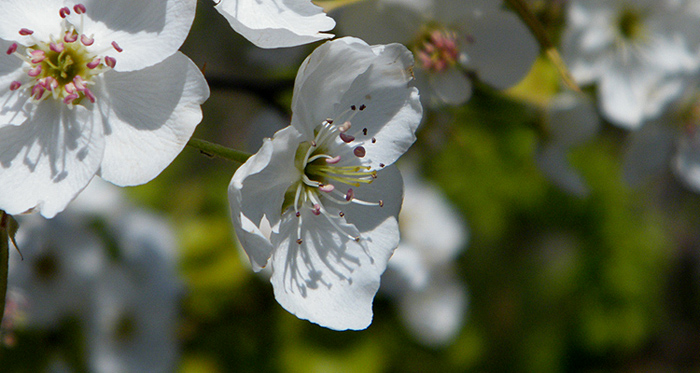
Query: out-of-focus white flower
(326, 185)
(62, 260)
(421, 274)
(135, 315)
(673, 138)
(571, 120)
(92, 89)
(446, 37)
(277, 23)
(637, 51)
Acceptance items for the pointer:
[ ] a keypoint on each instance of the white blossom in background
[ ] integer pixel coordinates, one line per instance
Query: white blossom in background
(448, 38)
(93, 88)
(638, 52)
(570, 120)
(62, 261)
(276, 23)
(118, 281)
(325, 186)
(673, 140)
(421, 275)
(134, 323)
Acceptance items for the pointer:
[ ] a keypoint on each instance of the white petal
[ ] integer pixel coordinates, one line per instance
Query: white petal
(436, 314)
(329, 278)
(502, 49)
(378, 21)
(274, 24)
(147, 31)
(150, 115)
(49, 159)
(450, 87)
(13, 102)
(257, 190)
(40, 16)
(686, 163)
(347, 73)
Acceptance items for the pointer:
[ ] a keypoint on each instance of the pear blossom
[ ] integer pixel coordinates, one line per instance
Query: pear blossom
(638, 52)
(319, 201)
(93, 88)
(277, 23)
(448, 38)
(672, 140)
(421, 275)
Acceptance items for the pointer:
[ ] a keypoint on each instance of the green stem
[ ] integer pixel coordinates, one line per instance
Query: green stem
(4, 259)
(545, 44)
(212, 149)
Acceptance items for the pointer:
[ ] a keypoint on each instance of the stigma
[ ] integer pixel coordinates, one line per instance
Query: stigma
(64, 66)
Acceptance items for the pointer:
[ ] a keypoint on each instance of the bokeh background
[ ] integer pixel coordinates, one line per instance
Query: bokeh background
(557, 281)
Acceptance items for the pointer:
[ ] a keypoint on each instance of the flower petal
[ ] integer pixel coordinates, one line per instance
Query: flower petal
(257, 191)
(147, 31)
(49, 159)
(151, 116)
(274, 24)
(451, 87)
(13, 102)
(347, 73)
(330, 279)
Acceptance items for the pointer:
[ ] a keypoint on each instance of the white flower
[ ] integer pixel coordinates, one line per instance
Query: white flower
(635, 50)
(277, 23)
(570, 120)
(421, 273)
(94, 89)
(448, 36)
(326, 185)
(62, 260)
(133, 327)
(672, 139)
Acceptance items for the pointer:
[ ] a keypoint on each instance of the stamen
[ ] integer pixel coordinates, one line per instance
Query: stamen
(359, 152)
(316, 210)
(363, 107)
(86, 40)
(110, 61)
(79, 8)
(70, 37)
(38, 56)
(347, 138)
(326, 188)
(64, 12)
(364, 131)
(15, 85)
(58, 48)
(12, 48)
(25, 32)
(349, 194)
(93, 64)
(345, 126)
(117, 47)
(35, 71)
(333, 160)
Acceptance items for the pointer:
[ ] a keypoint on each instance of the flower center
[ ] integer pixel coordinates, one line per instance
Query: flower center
(63, 67)
(436, 49)
(630, 24)
(321, 171)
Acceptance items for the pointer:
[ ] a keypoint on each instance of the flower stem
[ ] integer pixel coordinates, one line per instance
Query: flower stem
(545, 44)
(8, 228)
(216, 150)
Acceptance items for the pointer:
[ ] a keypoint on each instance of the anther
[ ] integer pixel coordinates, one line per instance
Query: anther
(117, 47)
(374, 140)
(93, 64)
(299, 241)
(382, 165)
(89, 95)
(381, 203)
(25, 32)
(341, 214)
(359, 152)
(364, 131)
(345, 126)
(35, 71)
(70, 37)
(110, 61)
(38, 56)
(12, 48)
(80, 8)
(298, 214)
(15, 85)
(347, 138)
(329, 120)
(363, 107)
(316, 210)
(353, 107)
(86, 40)
(350, 194)
(326, 188)
(357, 239)
(58, 48)
(333, 160)
(64, 12)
